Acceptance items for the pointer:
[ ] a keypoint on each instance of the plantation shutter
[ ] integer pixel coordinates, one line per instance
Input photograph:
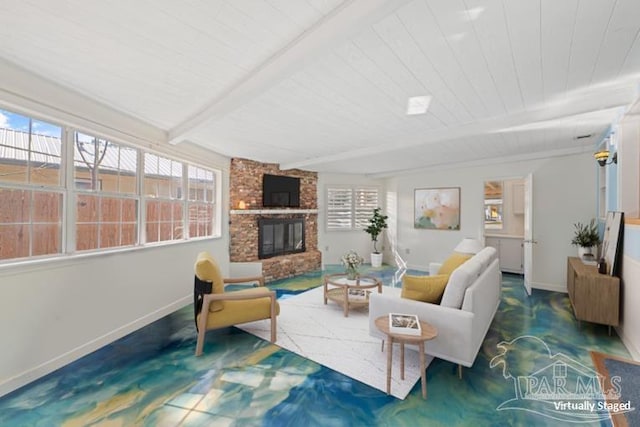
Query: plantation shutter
(350, 208)
(366, 200)
(339, 208)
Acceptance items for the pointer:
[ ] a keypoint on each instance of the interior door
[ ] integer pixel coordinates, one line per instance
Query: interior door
(528, 241)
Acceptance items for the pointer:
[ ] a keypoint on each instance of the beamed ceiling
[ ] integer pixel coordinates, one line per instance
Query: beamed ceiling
(323, 85)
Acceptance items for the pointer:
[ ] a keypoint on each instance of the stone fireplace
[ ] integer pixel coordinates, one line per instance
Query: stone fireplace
(252, 227)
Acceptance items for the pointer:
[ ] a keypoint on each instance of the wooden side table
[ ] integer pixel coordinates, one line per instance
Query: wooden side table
(429, 332)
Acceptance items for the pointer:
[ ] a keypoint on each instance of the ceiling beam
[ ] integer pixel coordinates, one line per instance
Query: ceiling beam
(546, 116)
(334, 28)
(30, 93)
(487, 161)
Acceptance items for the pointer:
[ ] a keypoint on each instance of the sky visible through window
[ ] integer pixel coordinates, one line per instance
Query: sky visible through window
(18, 122)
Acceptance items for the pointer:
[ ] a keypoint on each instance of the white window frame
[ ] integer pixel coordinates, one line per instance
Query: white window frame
(37, 187)
(102, 194)
(67, 188)
(212, 202)
(172, 199)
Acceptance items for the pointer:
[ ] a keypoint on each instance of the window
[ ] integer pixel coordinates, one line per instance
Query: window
(164, 202)
(66, 190)
(201, 202)
(31, 195)
(349, 208)
(107, 201)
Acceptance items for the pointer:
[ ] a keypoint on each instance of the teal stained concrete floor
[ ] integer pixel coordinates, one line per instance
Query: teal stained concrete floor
(151, 377)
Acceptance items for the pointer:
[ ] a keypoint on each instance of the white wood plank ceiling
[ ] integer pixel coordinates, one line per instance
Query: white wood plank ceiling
(323, 84)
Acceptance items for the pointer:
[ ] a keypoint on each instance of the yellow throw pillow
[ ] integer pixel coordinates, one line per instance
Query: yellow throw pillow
(424, 288)
(454, 261)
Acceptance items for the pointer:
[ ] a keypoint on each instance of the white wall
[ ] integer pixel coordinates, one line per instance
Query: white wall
(629, 203)
(57, 310)
(629, 328)
(334, 244)
(563, 190)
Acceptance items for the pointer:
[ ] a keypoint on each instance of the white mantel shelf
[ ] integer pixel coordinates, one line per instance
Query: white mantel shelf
(272, 211)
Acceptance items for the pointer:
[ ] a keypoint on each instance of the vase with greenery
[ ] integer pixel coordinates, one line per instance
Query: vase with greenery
(585, 236)
(377, 223)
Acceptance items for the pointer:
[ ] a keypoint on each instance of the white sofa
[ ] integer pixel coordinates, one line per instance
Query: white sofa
(468, 305)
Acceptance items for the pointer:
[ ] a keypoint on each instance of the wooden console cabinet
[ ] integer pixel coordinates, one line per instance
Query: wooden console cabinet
(594, 297)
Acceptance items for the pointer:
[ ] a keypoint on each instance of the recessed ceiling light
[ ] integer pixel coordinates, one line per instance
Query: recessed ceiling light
(418, 104)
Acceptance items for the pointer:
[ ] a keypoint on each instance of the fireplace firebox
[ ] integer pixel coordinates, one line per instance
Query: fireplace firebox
(280, 236)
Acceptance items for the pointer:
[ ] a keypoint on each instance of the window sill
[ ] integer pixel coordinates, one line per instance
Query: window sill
(46, 263)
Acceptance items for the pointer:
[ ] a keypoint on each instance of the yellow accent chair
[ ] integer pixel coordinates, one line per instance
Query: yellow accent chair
(214, 308)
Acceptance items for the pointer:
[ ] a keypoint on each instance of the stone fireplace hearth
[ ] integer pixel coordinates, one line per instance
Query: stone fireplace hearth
(247, 214)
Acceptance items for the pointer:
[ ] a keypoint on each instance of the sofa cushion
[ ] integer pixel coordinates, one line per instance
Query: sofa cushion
(461, 278)
(424, 288)
(454, 261)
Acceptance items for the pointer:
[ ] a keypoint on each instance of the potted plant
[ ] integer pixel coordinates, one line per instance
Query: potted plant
(585, 237)
(377, 223)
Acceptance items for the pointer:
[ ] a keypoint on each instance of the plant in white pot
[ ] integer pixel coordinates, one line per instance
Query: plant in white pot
(585, 237)
(377, 223)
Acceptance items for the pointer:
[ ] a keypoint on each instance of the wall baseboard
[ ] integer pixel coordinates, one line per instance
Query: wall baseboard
(635, 354)
(31, 375)
(418, 267)
(554, 287)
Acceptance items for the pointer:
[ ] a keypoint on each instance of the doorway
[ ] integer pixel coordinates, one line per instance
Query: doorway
(507, 223)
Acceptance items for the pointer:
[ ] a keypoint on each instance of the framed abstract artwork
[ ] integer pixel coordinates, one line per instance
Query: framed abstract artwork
(437, 208)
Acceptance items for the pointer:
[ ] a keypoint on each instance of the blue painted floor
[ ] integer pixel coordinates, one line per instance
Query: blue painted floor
(151, 377)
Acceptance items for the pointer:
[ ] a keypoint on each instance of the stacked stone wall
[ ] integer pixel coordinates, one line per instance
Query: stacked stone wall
(245, 187)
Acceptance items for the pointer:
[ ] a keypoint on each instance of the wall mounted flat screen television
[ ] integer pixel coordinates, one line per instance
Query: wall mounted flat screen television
(280, 191)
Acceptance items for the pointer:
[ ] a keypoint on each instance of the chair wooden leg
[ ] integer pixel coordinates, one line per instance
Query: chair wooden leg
(459, 371)
(273, 319)
(202, 329)
(200, 342)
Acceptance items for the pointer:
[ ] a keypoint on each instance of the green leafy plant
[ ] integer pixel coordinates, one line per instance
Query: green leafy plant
(377, 223)
(586, 235)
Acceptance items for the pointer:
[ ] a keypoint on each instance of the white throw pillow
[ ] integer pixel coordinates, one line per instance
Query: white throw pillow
(461, 278)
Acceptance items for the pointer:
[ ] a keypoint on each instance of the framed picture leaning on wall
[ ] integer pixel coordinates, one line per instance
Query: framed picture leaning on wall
(612, 241)
(437, 208)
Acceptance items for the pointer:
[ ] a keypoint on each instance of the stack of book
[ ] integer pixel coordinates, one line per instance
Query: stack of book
(407, 324)
(356, 294)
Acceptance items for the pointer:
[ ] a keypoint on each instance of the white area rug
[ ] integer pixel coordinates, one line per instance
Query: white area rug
(321, 333)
